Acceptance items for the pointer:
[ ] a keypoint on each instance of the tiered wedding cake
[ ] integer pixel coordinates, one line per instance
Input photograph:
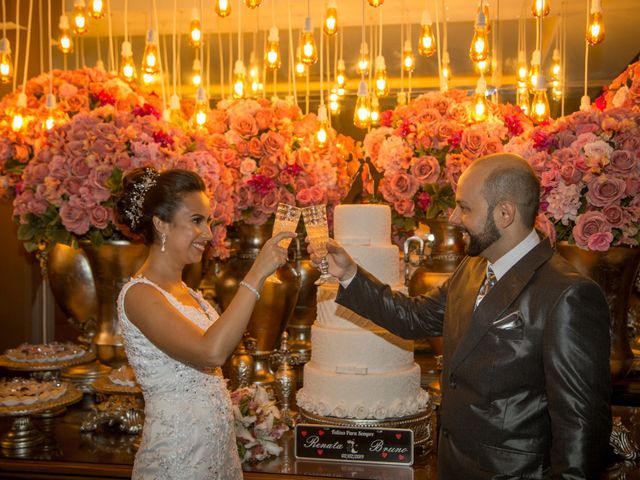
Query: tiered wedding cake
(357, 369)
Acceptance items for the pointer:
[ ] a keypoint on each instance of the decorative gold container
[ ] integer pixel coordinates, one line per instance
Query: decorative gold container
(277, 301)
(112, 264)
(615, 271)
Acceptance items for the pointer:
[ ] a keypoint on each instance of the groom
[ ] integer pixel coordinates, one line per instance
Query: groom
(526, 381)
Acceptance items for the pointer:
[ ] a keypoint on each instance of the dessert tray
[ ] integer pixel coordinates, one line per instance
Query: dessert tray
(46, 356)
(21, 397)
(121, 381)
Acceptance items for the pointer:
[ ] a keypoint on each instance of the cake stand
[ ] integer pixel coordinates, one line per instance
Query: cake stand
(118, 405)
(422, 423)
(23, 435)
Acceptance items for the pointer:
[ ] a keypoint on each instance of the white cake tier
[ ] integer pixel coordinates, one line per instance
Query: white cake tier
(359, 351)
(383, 395)
(362, 224)
(381, 261)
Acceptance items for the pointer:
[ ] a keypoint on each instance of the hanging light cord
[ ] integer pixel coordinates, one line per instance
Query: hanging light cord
(174, 44)
(586, 53)
(49, 46)
(160, 62)
(291, 56)
(221, 55)
(112, 57)
(363, 39)
(26, 56)
(438, 49)
(4, 19)
(17, 60)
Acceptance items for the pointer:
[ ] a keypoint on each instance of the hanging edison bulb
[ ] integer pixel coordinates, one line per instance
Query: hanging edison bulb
(79, 17)
(255, 85)
(362, 67)
(556, 88)
(6, 62)
(65, 43)
(479, 49)
(374, 111)
(540, 102)
(151, 54)
(252, 3)
(376, 3)
(330, 26)
(223, 8)
(127, 66)
(334, 101)
(196, 73)
(522, 99)
(362, 115)
(239, 76)
(300, 67)
(446, 66)
(380, 77)
(96, 9)
(408, 59)
(322, 134)
(201, 109)
(18, 121)
(55, 116)
(401, 99)
(272, 58)
(427, 43)
(595, 30)
(341, 77)
(309, 49)
(483, 67)
(195, 30)
(540, 8)
(148, 78)
(534, 71)
(522, 72)
(479, 106)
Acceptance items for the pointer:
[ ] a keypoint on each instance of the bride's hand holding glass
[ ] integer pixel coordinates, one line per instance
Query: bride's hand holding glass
(286, 220)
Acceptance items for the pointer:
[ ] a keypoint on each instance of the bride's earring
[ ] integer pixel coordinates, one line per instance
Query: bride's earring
(163, 241)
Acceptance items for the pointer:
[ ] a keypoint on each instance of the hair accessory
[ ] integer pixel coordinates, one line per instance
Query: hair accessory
(140, 189)
(252, 288)
(163, 241)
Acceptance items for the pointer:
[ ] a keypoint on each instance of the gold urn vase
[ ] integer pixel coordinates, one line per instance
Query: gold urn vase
(71, 281)
(112, 264)
(447, 245)
(277, 301)
(615, 271)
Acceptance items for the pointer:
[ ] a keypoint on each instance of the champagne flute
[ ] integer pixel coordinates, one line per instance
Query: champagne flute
(315, 221)
(286, 220)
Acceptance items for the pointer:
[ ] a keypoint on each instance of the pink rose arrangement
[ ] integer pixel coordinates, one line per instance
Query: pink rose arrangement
(624, 90)
(258, 423)
(272, 156)
(589, 168)
(75, 91)
(70, 186)
(416, 156)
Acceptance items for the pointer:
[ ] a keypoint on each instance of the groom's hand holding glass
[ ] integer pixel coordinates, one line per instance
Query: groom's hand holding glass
(340, 264)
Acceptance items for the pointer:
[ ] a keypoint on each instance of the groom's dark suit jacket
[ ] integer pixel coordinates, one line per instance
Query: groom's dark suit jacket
(525, 381)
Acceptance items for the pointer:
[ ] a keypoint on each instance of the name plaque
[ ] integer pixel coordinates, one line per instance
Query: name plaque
(354, 444)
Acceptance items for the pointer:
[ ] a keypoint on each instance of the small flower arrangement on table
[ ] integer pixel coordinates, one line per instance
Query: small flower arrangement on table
(417, 155)
(258, 423)
(589, 168)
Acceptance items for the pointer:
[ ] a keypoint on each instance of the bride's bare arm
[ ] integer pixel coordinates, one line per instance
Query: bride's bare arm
(162, 324)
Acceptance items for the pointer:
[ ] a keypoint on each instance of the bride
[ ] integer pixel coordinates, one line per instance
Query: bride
(173, 338)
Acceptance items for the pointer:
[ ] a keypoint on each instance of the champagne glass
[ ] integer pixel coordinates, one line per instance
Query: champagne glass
(287, 217)
(315, 221)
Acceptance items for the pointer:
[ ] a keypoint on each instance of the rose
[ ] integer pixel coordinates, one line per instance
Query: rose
(400, 185)
(244, 125)
(74, 217)
(472, 143)
(622, 162)
(604, 191)
(592, 231)
(425, 169)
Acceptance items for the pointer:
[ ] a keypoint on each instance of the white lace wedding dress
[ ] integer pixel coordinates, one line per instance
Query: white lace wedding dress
(188, 428)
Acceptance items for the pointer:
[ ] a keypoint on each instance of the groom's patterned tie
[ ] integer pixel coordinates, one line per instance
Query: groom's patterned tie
(488, 284)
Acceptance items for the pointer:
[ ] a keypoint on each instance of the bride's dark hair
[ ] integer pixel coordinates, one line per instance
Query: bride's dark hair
(147, 193)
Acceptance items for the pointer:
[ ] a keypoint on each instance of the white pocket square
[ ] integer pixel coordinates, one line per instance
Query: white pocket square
(509, 322)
